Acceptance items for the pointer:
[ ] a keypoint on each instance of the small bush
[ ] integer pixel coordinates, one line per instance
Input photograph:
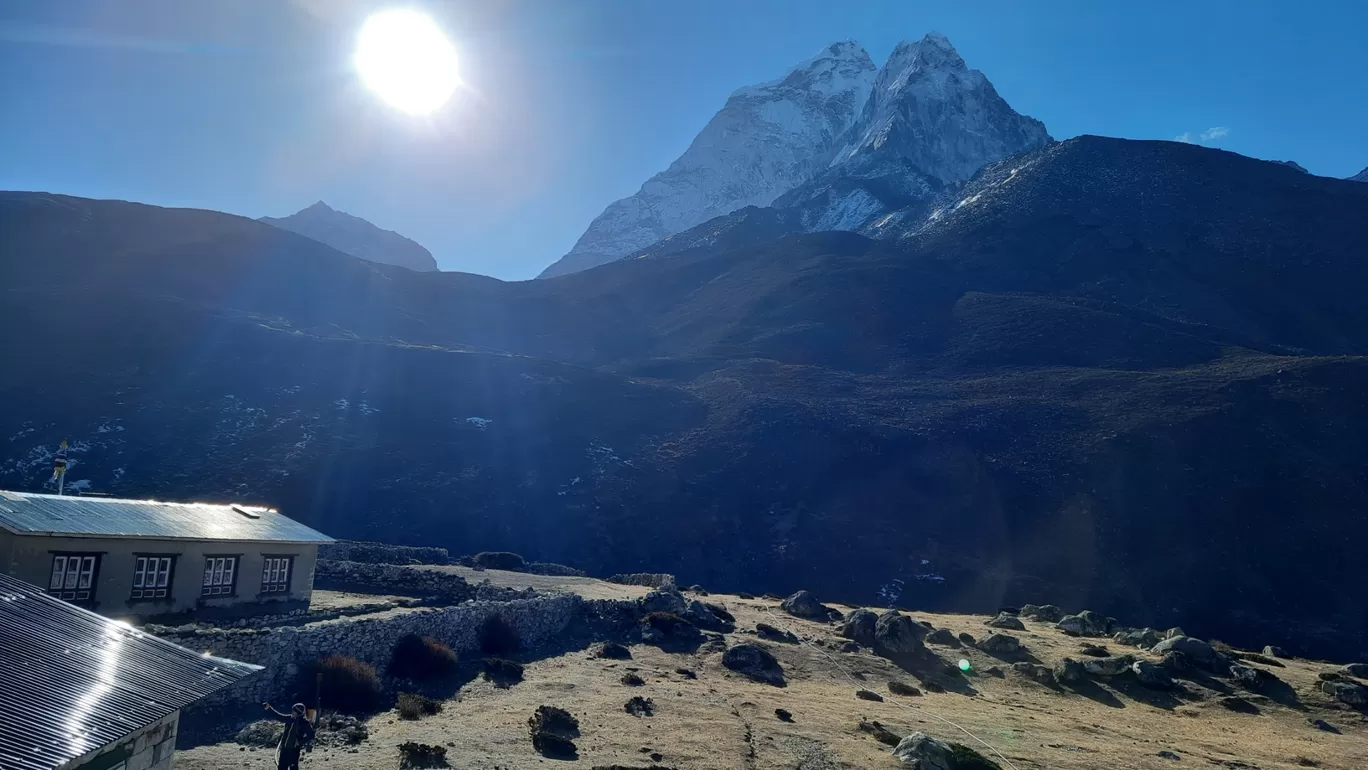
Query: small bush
(612, 651)
(632, 680)
(503, 560)
(413, 754)
(504, 673)
(498, 636)
(347, 684)
(1220, 646)
(413, 706)
(902, 688)
(964, 758)
(421, 658)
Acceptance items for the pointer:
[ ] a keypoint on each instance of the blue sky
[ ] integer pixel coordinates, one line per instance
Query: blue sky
(250, 107)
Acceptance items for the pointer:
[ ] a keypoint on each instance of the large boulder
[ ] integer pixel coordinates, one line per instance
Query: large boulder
(1359, 670)
(1068, 670)
(1144, 638)
(1005, 621)
(667, 599)
(896, 632)
(1196, 650)
(1151, 675)
(1043, 674)
(704, 616)
(1273, 651)
(1001, 644)
(1044, 613)
(859, 627)
(804, 605)
(943, 636)
(920, 751)
(1114, 665)
(1347, 692)
(1085, 623)
(754, 662)
(1251, 678)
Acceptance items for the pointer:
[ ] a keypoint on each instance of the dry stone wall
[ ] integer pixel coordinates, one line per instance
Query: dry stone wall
(282, 651)
(382, 553)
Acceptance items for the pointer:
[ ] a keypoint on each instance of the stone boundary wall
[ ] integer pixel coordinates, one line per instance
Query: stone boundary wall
(650, 579)
(371, 639)
(382, 553)
(390, 579)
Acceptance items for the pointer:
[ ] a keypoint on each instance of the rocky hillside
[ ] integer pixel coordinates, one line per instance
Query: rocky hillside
(1121, 374)
(729, 682)
(355, 236)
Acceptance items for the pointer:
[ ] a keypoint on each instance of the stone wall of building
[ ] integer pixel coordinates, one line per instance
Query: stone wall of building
(382, 553)
(282, 651)
(150, 748)
(390, 579)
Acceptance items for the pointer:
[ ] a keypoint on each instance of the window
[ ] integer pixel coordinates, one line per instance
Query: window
(220, 575)
(275, 574)
(73, 576)
(152, 577)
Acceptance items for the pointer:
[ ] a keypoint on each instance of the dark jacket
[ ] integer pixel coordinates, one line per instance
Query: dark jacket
(298, 733)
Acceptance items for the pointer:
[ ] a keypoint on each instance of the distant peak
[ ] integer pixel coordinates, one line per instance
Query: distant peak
(320, 206)
(933, 51)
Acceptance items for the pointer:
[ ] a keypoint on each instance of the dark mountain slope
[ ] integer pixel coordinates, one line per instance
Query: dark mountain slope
(1089, 384)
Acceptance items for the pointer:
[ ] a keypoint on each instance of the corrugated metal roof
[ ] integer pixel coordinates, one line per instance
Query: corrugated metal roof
(27, 513)
(72, 681)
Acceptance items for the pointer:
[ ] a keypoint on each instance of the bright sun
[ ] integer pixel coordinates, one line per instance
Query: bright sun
(402, 55)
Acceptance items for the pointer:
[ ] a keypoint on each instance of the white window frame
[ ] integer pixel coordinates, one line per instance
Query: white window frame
(276, 572)
(73, 576)
(220, 576)
(152, 577)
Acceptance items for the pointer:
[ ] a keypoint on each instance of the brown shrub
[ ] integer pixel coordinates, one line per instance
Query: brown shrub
(413, 706)
(347, 684)
(498, 637)
(421, 658)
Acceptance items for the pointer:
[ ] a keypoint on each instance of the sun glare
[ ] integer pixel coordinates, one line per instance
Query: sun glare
(403, 56)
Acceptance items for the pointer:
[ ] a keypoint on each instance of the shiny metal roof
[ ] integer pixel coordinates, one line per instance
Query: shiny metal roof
(32, 514)
(72, 681)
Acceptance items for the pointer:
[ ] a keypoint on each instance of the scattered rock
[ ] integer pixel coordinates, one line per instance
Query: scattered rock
(895, 632)
(1359, 670)
(899, 687)
(639, 706)
(611, 651)
(720, 612)
(848, 646)
(943, 636)
(1329, 675)
(1115, 665)
(859, 627)
(1238, 705)
(1044, 613)
(704, 616)
(1255, 657)
(1252, 678)
(1197, 650)
(1094, 650)
(553, 731)
(804, 605)
(1144, 638)
(1177, 663)
(1321, 724)
(1274, 651)
(967, 638)
(1172, 632)
(932, 686)
(632, 680)
(697, 589)
(1085, 623)
(1001, 644)
(784, 715)
(665, 599)
(994, 671)
(667, 628)
(1346, 692)
(920, 751)
(754, 662)
(1169, 755)
(770, 633)
(868, 695)
(1042, 674)
(1003, 620)
(686, 673)
(1068, 670)
(881, 734)
(1151, 675)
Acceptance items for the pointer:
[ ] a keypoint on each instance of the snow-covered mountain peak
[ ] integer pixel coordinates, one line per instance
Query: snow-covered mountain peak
(766, 140)
(929, 108)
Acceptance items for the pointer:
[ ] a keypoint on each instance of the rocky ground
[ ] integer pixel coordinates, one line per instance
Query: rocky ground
(816, 720)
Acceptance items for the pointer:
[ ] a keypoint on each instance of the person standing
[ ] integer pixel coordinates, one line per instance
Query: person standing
(298, 736)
